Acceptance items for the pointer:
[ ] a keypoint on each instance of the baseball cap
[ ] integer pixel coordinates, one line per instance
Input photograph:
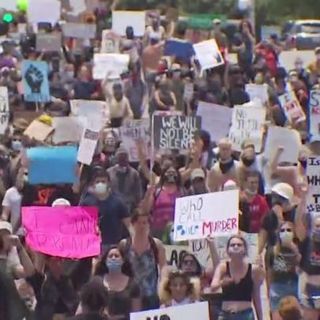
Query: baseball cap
(197, 173)
(4, 225)
(284, 190)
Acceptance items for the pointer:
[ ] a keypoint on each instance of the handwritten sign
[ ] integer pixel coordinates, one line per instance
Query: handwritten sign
(289, 139)
(258, 91)
(122, 19)
(313, 176)
(199, 310)
(247, 123)
(197, 217)
(175, 132)
(112, 63)
(292, 108)
(79, 30)
(208, 54)
(52, 165)
(131, 132)
(4, 109)
(67, 232)
(314, 115)
(215, 119)
(88, 143)
(67, 129)
(35, 81)
(43, 11)
(174, 255)
(38, 130)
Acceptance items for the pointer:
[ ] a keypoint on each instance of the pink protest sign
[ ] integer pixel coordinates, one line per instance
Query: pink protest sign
(68, 232)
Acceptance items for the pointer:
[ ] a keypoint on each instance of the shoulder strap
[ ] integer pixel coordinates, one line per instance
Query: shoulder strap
(228, 268)
(155, 252)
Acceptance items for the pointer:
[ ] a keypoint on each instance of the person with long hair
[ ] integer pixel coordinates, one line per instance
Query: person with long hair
(160, 200)
(124, 293)
(240, 282)
(177, 289)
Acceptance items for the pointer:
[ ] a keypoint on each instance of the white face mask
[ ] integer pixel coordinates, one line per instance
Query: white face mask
(286, 236)
(100, 188)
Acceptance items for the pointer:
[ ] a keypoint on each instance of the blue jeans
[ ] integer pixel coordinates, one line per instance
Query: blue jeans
(242, 315)
(278, 290)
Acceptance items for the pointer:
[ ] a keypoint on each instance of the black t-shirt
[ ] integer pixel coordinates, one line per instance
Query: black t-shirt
(120, 302)
(88, 316)
(310, 256)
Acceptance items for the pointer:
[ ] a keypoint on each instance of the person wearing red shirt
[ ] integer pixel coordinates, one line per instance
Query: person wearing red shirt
(252, 205)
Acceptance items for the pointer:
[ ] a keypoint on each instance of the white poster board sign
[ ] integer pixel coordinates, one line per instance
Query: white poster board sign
(10, 5)
(122, 19)
(112, 63)
(193, 311)
(289, 139)
(208, 54)
(313, 176)
(110, 42)
(215, 119)
(43, 11)
(4, 109)
(174, 254)
(79, 30)
(199, 216)
(67, 129)
(258, 91)
(292, 108)
(133, 131)
(247, 124)
(314, 115)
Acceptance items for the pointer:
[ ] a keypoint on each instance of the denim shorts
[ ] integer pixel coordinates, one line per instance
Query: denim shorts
(242, 315)
(278, 290)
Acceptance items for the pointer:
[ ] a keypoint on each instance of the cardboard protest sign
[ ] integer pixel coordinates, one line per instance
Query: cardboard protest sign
(67, 129)
(208, 54)
(38, 130)
(199, 310)
(199, 216)
(79, 30)
(314, 116)
(48, 42)
(4, 109)
(132, 131)
(215, 119)
(289, 139)
(122, 19)
(200, 248)
(258, 91)
(179, 48)
(35, 81)
(247, 124)
(175, 132)
(287, 58)
(112, 63)
(292, 108)
(43, 11)
(67, 232)
(313, 176)
(90, 109)
(110, 42)
(88, 143)
(52, 165)
(174, 254)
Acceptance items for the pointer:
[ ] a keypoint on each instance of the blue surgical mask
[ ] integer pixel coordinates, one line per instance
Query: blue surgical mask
(114, 265)
(16, 145)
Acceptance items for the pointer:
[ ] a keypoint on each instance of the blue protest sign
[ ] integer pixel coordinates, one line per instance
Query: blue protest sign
(35, 81)
(179, 48)
(52, 165)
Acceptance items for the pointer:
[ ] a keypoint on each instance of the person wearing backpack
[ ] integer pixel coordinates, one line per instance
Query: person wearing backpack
(147, 257)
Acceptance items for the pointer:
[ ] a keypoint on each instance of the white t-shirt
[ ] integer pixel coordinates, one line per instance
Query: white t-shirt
(12, 200)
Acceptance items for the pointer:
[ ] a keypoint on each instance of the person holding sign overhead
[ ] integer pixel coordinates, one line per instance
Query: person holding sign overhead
(240, 282)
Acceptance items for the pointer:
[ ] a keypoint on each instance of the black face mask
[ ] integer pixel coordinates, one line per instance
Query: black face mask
(225, 167)
(171, 178)
(248, 162)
